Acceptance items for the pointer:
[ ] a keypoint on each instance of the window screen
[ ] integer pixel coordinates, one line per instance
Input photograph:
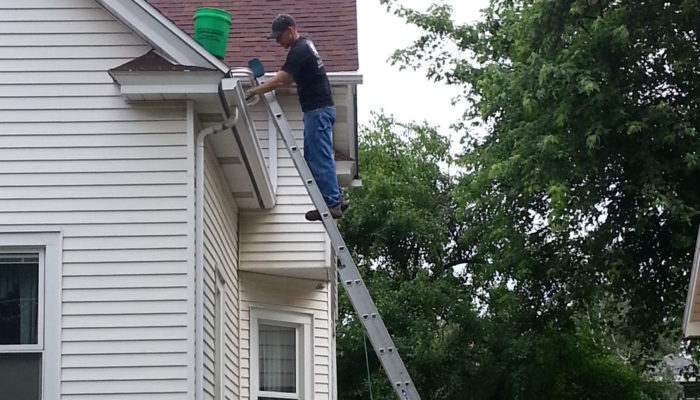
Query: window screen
(19, 298)
(20, 376)
(278, 358)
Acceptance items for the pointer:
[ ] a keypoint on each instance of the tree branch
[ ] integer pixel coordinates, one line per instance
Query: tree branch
(584, 28)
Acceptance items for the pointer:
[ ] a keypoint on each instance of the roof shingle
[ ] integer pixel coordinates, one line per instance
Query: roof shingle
(331, 24)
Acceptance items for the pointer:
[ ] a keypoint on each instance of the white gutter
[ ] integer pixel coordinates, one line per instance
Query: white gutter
(334, 78)
(246, 139)
(199, 251)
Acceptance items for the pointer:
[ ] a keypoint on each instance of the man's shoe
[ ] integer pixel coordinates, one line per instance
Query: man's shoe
(336, 212)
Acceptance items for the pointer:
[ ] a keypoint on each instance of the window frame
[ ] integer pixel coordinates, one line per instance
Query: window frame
(303, 323)
(49, 247)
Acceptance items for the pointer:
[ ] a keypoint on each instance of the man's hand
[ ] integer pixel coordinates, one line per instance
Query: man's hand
(249, 94)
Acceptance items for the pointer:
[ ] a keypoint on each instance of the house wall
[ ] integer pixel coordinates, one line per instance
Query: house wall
(280, 242)
(280, 238)
(116, 180)
(304, 296)
(220, 257)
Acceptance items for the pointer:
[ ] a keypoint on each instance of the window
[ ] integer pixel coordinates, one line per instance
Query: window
(19, 299)
(20, 323)
(281, 355)
(29, 325)
(277, 358)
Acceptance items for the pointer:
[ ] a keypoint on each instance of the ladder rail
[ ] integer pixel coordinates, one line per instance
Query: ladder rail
(348, 273)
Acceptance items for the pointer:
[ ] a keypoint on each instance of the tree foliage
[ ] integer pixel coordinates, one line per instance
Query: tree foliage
(401, 229)
(574, 215)
(587, 180)
(459, 340)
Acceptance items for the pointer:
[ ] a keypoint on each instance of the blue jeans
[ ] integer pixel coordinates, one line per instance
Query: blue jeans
(318, 152)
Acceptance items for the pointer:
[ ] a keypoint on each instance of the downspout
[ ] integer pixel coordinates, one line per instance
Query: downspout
(199, 248)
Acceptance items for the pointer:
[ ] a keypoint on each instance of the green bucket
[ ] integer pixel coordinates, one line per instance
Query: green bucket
(211, 27)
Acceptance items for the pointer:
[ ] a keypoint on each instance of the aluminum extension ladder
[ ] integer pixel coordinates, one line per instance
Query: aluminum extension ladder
(347, 272)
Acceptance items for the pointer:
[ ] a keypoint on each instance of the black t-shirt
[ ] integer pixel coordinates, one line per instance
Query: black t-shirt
(306, 67)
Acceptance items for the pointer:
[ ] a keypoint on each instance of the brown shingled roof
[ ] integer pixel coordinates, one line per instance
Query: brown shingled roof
(331, 24)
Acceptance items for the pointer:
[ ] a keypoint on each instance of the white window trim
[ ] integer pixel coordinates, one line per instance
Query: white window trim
(304, 324)
(49, 246)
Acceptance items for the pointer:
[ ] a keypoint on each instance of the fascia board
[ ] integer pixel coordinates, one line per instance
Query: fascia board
(345, 78)
(140, 82)
(161, 33)
(336, 78)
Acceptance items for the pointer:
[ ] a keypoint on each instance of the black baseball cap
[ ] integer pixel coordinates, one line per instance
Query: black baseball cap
(280, 24)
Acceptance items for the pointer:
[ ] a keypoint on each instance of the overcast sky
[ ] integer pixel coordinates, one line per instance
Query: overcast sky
(408, 95)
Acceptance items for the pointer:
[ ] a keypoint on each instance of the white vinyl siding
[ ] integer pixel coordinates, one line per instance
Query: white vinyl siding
(116, 180)
(220, 254)
(272, 240)
(290, 295)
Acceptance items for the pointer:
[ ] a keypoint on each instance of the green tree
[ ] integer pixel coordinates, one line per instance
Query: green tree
(586, 183)
(402, 231)
(458, 340)
(574, 216)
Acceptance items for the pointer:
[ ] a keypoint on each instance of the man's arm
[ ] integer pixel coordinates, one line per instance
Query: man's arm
(282, 78)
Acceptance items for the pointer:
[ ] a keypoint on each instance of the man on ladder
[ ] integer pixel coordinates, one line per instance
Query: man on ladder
(317, 170)
(305, 67)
